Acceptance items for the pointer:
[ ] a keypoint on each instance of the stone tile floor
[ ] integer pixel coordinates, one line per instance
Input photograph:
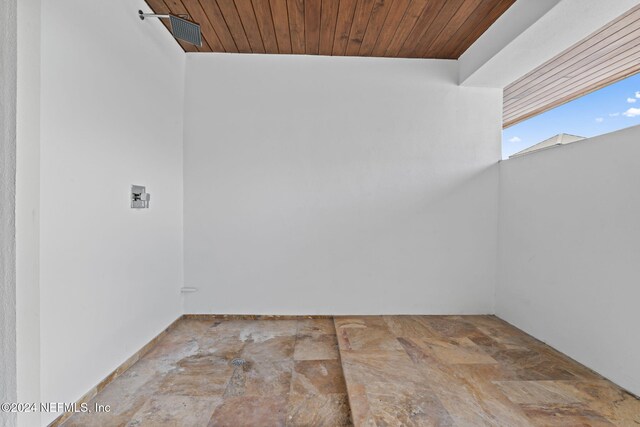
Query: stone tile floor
(469, 371)
(292, 376)
(399, 371)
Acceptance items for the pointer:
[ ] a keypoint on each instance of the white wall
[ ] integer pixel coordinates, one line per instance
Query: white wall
(28, 209)
(569, 251)
(8, 45)
(111, 108)
(338, 185)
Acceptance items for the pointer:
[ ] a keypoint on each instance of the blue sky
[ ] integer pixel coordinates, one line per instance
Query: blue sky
(606, 110)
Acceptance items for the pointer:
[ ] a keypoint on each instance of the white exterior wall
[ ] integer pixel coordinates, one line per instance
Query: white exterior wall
(28, 209)
(338, 185)
(569, 251)
(111, 104)
(8, 46)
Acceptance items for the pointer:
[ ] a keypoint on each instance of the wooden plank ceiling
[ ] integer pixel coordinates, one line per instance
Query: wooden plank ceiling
(610, 54)
(390, 28)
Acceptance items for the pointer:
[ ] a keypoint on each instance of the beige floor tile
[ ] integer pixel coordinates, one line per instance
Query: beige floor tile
(320, 347)
(175, 411)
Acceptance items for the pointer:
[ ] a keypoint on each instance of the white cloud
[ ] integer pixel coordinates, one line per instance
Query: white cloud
(599, 119)
(614, 114)
(638, 94)
(631, 100)
(515, 139)
(632, 112)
